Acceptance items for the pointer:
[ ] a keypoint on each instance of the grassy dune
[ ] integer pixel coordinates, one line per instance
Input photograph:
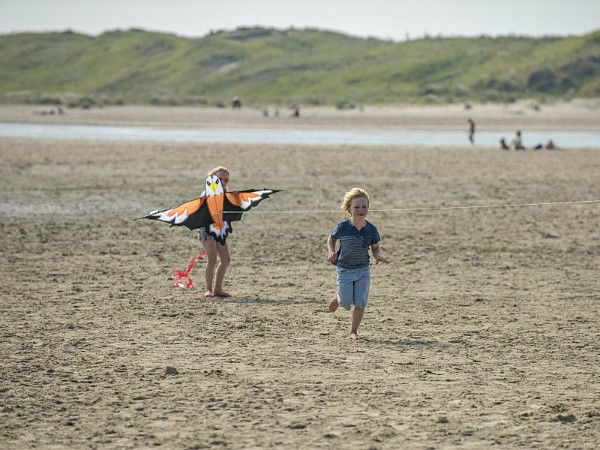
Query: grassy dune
(282, 67)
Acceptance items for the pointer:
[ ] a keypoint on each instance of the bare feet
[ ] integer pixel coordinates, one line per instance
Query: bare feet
(355, 336)
(209, 294)
(333, 304)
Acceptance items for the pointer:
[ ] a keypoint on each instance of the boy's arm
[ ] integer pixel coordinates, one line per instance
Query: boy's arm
(331, 255)
(377, 254)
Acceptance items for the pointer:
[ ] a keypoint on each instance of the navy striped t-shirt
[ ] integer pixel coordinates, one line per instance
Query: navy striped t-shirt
(354, 244)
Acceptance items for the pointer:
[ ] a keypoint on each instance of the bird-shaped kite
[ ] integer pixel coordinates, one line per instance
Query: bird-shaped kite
(216, 209)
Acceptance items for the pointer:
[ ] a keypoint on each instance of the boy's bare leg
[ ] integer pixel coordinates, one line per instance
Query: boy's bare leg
(333, 304)
(357, 316)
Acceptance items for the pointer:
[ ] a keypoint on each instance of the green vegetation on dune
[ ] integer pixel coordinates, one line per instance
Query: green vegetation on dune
(281, 67)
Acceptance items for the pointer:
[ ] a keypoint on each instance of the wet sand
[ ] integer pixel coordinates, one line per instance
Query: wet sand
(525, 115)
(482, 332)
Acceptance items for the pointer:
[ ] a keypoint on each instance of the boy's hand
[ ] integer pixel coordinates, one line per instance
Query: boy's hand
(331, 257)
(377, 255)
(381, 259)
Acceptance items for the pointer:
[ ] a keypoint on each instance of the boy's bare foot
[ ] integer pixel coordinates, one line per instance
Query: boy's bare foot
(209, 294)
(333, 304)
(355, 336)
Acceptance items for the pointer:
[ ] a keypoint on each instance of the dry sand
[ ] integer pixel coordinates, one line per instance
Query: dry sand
(482, 332)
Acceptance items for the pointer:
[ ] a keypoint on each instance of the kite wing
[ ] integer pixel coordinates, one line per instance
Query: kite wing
(236, 202)
(215, 212)
(193, 214)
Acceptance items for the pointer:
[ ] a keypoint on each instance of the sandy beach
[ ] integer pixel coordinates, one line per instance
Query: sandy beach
(579, 115)
(481, 333)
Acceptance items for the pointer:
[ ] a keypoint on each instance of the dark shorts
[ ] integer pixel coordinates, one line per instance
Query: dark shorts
(204, 235)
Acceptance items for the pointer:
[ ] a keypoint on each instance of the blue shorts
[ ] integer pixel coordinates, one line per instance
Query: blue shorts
(353, 287)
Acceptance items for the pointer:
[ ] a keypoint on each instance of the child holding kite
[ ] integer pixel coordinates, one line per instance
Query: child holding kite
(214, 248)
(356, 235)
(212, 215)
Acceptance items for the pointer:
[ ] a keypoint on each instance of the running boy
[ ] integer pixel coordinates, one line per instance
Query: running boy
(356, 235)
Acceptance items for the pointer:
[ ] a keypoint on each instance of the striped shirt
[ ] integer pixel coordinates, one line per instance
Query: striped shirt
(354, 244)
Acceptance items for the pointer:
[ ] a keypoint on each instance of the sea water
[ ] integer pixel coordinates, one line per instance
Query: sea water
(442, 138)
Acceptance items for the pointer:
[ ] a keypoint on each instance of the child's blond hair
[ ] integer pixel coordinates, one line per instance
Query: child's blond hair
(351, 195)
(214, 170)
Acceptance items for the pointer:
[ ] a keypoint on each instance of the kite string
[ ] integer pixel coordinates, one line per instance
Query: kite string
(425, 208)
(178, 275)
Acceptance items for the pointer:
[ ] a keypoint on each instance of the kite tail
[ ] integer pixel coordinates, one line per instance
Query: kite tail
(178, 275)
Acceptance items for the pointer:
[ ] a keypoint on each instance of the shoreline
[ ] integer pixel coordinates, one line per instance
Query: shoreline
(446, 138)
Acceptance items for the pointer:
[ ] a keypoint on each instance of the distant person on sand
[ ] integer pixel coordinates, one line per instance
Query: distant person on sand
(504, 145)
(471, 131)
(547, 146)
(517, 143)
(356, 235)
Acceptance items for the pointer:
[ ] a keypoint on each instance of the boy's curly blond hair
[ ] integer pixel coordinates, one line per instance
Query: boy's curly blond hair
(214, 170)
(351, 195)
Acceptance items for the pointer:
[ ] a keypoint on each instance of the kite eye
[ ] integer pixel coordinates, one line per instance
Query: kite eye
(207, 183)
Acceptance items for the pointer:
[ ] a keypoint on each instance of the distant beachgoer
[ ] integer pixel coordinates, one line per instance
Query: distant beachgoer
(550, 145)
(471, 131)
(504, 145)
(236, 102)
(296, 112)
(517, 142)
